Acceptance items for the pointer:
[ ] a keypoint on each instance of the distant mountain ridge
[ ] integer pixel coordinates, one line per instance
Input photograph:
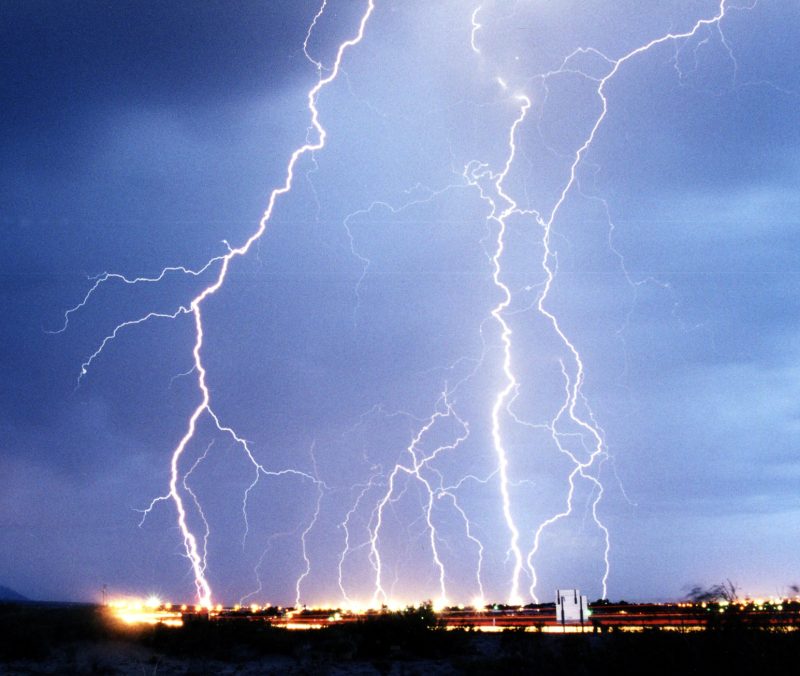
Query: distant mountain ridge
(7, 594)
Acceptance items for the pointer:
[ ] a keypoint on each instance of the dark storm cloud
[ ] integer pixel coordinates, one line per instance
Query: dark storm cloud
(69, 68)
(59, 57)
(105, 104)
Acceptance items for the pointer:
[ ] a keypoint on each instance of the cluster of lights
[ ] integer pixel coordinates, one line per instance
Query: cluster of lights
(148, 611)
(154, 611)
(773, 603)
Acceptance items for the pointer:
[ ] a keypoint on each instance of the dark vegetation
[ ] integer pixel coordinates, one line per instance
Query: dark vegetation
(34, 630)
(724, 591)
(409, 642)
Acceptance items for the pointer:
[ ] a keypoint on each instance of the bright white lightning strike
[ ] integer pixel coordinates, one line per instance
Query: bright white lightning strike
(474, 173)
(507, 394)
(203, 587)
(475, 28)
(195, 557)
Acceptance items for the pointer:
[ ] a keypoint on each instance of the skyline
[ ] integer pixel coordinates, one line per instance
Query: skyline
(522, 255)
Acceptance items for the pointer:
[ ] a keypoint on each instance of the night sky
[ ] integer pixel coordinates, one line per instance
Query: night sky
(143, 135)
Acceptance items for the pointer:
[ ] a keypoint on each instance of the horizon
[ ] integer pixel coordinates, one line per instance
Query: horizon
(107, 597)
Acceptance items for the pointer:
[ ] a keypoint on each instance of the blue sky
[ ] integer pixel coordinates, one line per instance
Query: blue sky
(138, 136)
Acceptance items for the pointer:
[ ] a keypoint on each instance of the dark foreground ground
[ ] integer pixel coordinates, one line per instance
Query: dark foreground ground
(44, 639)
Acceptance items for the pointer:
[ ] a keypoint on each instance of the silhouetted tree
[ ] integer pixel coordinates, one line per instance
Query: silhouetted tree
(724, 591)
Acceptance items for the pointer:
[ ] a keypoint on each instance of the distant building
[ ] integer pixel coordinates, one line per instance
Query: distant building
(571, 606)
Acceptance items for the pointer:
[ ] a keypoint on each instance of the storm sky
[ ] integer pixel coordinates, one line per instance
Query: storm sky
(142, 135)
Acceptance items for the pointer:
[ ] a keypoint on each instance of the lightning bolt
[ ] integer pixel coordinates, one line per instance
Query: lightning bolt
(574, 384)
(198, 506)
(106, 277)
(469, 528)
(477, 174)
(419, 460)
(310, 30)
(195, 307)
(475, 28)
(272, 538)
(313, 522)
(348, 548)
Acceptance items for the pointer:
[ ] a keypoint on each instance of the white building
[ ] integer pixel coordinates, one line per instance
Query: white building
(571, 606)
